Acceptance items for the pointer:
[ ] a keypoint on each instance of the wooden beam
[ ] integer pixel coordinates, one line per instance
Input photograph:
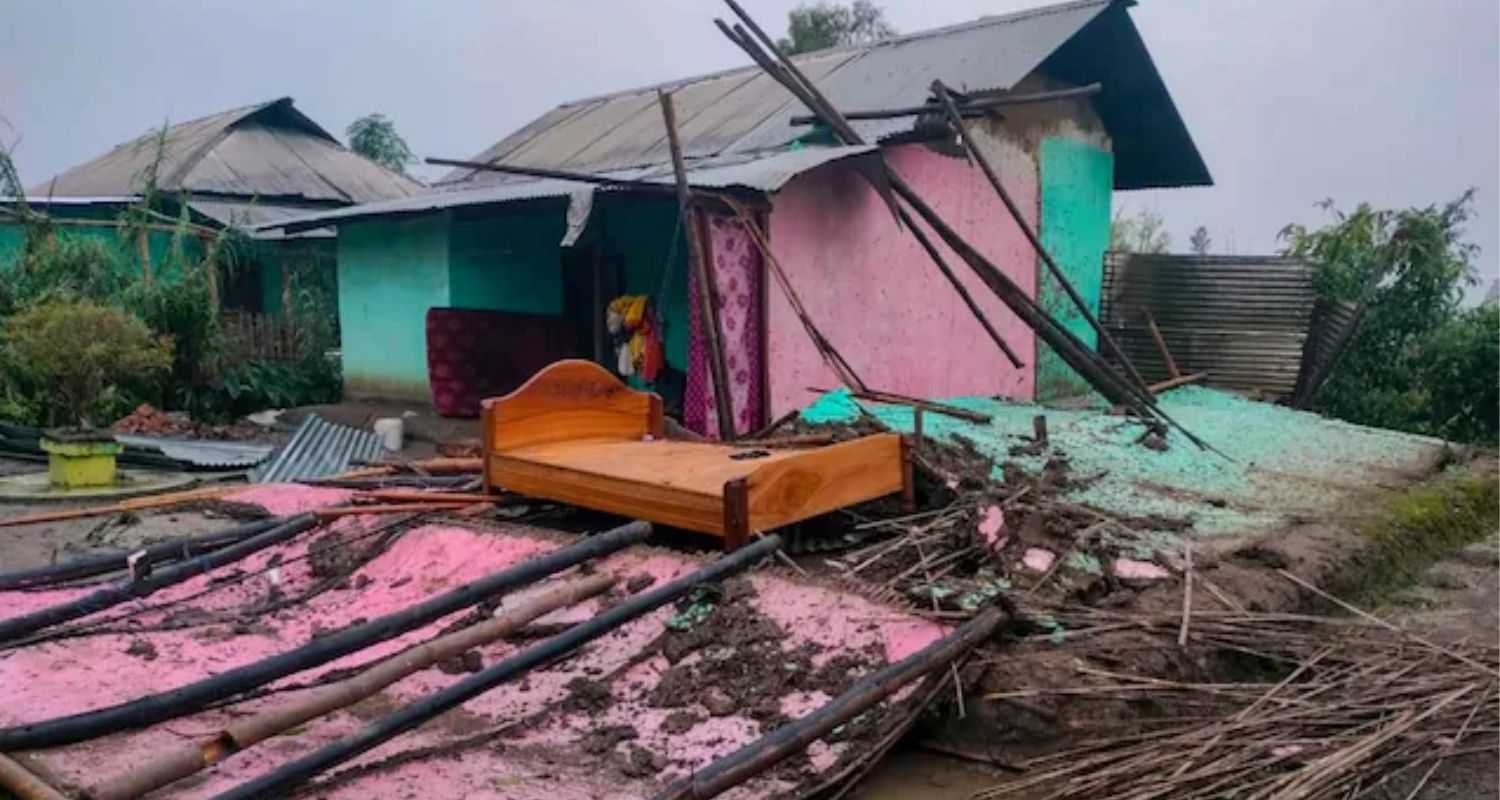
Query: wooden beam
(1161, 344)
(697, 236)
(957, 121)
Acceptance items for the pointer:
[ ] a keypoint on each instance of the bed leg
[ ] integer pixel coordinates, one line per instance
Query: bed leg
(736, 514)
(486, 437)
(908, 484)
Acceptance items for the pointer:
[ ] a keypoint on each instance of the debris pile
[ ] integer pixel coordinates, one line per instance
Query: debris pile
(148, 420)
(1339, 708)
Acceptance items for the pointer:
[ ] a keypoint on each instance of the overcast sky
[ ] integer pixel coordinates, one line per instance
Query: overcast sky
(1291, 101)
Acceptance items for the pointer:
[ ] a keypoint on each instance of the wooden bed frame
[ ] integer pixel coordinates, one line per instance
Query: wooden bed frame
(576, 434)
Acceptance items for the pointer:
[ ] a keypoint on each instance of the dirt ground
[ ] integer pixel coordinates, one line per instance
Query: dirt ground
(1456, 598)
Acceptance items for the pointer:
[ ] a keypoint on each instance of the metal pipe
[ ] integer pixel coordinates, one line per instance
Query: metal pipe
(279, 780)
(188, 758)
(557, 174)
(129, 589)
(973, 108)
(187, 699)
(764, 753)
(90, 565)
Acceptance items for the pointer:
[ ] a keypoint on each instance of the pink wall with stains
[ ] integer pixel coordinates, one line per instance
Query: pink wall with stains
(876, 295)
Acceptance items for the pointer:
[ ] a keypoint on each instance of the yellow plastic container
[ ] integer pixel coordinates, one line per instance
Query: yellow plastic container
(73, 465)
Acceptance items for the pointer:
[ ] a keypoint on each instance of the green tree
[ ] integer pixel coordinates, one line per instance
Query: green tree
(1409, 267)
(817, 26)
(1200, 241)
(1144, 232)
(374, 137)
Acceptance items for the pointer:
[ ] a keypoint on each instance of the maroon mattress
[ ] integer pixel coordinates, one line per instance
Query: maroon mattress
(472, 355)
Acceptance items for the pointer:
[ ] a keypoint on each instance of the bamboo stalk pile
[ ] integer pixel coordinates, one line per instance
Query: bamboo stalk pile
(1358, 710)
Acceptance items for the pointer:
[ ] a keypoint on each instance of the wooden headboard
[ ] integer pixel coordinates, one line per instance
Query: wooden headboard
(572, 399)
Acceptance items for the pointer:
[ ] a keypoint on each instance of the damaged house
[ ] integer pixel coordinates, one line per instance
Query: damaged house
(238, 169)
(463, 292)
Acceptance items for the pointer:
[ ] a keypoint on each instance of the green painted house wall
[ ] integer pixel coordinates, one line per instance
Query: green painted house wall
(160, 243)
(389, 273)
(1076, 182)
(509, 262)
(639, 232)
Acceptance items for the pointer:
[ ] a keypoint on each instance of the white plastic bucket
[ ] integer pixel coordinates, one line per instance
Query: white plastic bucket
(391, 431)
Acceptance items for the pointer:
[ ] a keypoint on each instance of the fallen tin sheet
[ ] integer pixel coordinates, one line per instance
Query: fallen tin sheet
(203, 453)
(319, 448)
(618, 719)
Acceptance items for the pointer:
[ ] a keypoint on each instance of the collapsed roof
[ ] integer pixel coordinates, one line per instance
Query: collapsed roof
(744, 110)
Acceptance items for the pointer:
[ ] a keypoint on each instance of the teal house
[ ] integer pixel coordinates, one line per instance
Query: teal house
(236, 169)
(500, 267)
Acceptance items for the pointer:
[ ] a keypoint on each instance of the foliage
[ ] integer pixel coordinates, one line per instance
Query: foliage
(1145, 232)
(1458, 363)
(1200, 241)
(822, 25)
(1409, 267)
(374, 137)
(75, 354)
(57, 267)
(186, 311)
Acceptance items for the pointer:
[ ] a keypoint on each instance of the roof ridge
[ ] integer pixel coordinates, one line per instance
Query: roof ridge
(856, 49)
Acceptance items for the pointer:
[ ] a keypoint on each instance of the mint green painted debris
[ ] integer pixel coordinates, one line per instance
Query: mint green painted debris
(1285, 462)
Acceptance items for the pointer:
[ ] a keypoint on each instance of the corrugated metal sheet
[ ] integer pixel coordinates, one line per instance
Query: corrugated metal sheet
(1331, 327)
(204, 453)
(264, 150)
(250, 215)
(744, 111)
(319, 448)
(765, 173)
(1243, 320)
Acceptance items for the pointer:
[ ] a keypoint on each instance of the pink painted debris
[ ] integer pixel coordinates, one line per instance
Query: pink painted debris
(992, 528)
(539, 755)
(1127, 569)
(1038, 560)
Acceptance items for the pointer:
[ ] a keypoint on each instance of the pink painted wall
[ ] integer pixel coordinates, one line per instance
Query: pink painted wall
(875, 294)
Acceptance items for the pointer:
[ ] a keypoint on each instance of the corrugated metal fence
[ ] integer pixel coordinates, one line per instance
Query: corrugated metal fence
(1241, 319)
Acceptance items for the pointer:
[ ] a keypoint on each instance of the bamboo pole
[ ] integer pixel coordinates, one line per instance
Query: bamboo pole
(941, 92)
(133, 504)
(703, 271)
(192, 697)
(249, 731)
(421, 496)
(393, 508)
(764, 753)
(23, 783)
(294, 773)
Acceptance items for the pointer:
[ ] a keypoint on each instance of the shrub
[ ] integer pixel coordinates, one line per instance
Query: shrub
(1410, 268)
(1458, 363)
(55, 266)
(75, 355)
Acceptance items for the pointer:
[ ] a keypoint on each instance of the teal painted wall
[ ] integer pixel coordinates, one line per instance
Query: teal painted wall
(508, 262)
(159, 243)
(639, 232)
(389, 273)
(1076, 181)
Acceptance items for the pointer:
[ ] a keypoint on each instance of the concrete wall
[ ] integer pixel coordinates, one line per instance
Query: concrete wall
(390, 273)
(1076, 186)
(879, 299)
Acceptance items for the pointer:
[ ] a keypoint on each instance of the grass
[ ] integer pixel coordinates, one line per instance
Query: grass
(1418, 527)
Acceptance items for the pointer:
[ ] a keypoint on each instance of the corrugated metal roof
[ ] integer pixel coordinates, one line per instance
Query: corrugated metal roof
(764, 173)
(267, 150)
(1242, 319)
(203, 453)
(319, 448)
(744, 111)
(251, 215)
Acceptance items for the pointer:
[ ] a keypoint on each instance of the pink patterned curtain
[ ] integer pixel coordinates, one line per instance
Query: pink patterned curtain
(737, 271)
